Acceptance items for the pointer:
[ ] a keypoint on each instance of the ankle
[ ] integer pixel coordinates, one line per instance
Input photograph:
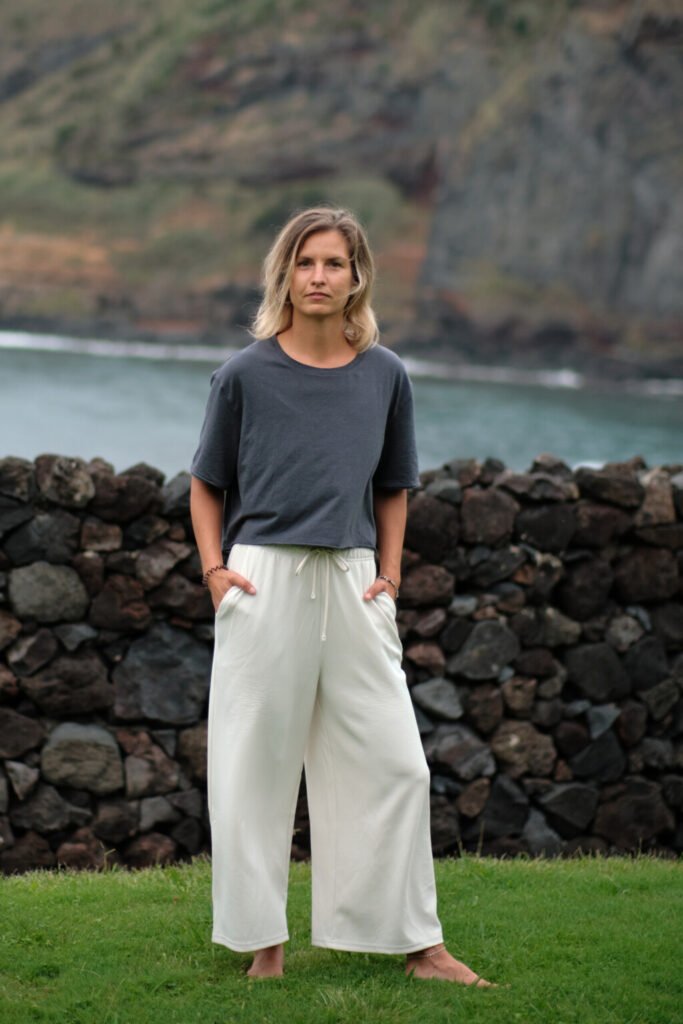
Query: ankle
(428, 951)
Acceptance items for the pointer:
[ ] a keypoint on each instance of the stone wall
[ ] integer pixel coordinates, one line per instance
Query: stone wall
(542, 620)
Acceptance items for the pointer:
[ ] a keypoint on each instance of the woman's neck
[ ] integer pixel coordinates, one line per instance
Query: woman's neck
(319, 343)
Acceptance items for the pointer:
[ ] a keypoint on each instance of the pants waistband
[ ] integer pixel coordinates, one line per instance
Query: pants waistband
(349, 554)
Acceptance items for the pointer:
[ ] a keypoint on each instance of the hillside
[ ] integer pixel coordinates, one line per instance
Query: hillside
(519, 166)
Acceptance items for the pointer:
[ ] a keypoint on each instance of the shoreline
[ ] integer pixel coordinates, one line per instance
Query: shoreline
(180, 346)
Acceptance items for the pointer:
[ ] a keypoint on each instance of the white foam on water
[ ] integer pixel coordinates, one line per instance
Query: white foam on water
(101, 347)
(162, 350)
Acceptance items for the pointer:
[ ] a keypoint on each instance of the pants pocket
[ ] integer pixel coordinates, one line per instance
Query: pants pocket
(230, 597)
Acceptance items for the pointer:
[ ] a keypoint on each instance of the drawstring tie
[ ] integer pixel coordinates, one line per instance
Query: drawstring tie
(332, 556)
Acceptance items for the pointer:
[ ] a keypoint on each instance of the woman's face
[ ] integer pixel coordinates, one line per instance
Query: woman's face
(322, 278)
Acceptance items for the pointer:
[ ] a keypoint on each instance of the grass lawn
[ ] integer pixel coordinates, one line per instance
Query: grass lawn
(590, 940)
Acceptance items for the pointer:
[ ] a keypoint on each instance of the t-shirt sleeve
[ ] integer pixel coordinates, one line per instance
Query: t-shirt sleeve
(215, 459)
(397, 466)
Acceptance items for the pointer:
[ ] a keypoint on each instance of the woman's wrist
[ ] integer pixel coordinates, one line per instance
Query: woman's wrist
(389, 579)
(210, 571)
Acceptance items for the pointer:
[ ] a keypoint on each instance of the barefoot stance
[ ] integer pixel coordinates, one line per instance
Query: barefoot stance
(445, 967)
(268, 962)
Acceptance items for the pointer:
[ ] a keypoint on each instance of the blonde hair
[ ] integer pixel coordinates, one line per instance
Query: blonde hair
(275, 312)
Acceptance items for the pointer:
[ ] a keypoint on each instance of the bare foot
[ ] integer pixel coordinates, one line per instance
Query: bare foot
(268, 962)
(446, 968)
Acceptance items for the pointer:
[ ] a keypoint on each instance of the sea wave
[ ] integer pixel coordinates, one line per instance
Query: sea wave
(117, 349)
(425, 368)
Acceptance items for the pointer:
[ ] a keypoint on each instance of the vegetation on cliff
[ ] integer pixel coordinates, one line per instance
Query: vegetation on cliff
(518, 165)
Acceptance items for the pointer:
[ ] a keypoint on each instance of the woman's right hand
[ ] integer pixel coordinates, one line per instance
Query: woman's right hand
(221, 582)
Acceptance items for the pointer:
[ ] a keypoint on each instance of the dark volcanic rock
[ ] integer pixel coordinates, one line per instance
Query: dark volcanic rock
(632, 722)
(645, 663)
(485, 707)
(164, 676)
(176, 496)
(97, 535)
(488, 516)
(635, 816)
(570, 807)
(506, 811)
(667, 620)
(548, 527)
(518, 694)
(72, 685)
(445, 825)
(48, 593)
(65, 481)
(123, 498)
(597, 525)
(116, 820)
(438, 697)
(616, 486)
(18, 733)
(49, 536)
(602, 759)
(432, 527)
(149, 850)
(121, 605)
(523, 749)
(84, 757)
(10, 628)
(540, 838)
(426, 585)
(155, 562)
(456, 747)
(583, 591)
(182, 596)
(17, 479)
(149, 771)
(192, 751)
(489, 647)
(571, 737)
(500, 565)
(24, 779)
(47, 811)
(30, 852)
(597, 671)
(660, 699)
(32, 651)
(81, 851)
(646, 574)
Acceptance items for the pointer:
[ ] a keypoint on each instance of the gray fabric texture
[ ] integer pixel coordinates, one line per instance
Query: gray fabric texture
(298, 449)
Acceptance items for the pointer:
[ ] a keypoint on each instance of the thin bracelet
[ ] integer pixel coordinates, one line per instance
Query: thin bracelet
(208, 572)
(389, 580)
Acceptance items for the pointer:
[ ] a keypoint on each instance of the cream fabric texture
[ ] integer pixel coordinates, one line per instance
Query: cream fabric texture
(307, 671)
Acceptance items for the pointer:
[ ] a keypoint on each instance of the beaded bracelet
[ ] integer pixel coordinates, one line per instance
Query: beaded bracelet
(208, 572)
(389, 580)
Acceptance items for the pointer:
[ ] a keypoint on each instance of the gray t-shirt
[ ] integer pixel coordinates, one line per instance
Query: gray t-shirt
(299, 448)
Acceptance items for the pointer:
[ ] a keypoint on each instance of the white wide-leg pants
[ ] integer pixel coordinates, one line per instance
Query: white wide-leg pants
(306, 671)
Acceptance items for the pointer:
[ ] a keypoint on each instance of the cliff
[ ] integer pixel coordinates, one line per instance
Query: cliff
(518, 166)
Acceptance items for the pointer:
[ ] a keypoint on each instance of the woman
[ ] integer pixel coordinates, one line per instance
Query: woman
(304, 460)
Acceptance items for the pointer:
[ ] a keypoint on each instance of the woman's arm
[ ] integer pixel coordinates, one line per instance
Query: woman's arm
(391, 511)
(206, 512)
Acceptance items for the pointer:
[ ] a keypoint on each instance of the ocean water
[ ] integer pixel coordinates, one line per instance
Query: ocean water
(129, 403)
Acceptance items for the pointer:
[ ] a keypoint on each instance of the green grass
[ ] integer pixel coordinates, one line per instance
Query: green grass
(589, 940)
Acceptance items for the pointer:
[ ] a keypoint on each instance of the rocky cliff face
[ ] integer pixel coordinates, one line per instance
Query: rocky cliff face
(518, 166)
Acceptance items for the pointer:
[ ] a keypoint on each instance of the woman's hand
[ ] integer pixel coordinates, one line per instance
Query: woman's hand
(220, 583)
(378, 586)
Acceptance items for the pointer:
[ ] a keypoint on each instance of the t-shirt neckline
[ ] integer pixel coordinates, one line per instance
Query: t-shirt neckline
(306, 367)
